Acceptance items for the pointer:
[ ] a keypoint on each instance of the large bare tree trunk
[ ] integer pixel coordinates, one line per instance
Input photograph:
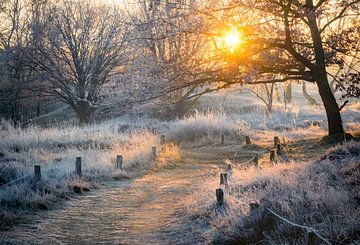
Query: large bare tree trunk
(83, 111)
(320, 75)
(331, 107)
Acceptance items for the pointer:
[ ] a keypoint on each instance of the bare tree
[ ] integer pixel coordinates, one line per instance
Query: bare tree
(265, 92)
(15, 75)
(78, 45)
(163, 51)
(292, 39)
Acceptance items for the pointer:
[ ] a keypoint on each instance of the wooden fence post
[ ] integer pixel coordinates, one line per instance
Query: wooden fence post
(78, 171)
(229, 168)
(247, 140)
(119, 162)
(256, 160)
(276, 141)
(273, 156)
(223, 179)
(37, 172)
(278, 148)
(162, 139)
(220, 196)
(222, 139)
(153, 152)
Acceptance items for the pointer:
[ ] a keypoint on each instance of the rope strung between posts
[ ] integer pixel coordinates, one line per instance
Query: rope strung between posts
(66, 169)
(300, 226)
(15, 180)
(252, 157)
(309, 229)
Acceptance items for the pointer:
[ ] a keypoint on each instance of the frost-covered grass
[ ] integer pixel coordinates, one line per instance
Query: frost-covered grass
(322, 195)
(203, 128)
(55, 150)
(169, 154)
(294, 119)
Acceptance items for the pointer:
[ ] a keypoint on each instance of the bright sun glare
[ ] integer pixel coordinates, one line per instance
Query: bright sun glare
(232, 39)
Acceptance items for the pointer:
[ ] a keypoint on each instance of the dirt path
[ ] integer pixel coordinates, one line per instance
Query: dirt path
(129, 212)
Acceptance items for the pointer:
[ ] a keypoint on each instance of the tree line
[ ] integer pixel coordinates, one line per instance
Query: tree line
(92, 54)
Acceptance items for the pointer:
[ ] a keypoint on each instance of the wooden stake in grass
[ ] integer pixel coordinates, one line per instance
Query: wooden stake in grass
(78, 171)
(247, 140)
(276, 141)
(229, 168)
(256, 160)
(220, 196)
(153, 152)
(273, 156)
(162, 139)
(37, 172)
(223, 179)
(119, 162)
(222, 139)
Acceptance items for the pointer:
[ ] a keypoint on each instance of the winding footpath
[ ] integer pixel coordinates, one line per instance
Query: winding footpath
(139, 211)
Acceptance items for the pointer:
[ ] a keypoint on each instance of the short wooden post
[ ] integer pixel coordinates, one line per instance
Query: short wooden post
(254, 209)
(119, 162)
(37, 172)
(222, 139)
(278, 148)
(276, 141)
(312, 238)
(223, 179)
(247, 140)
(225, 176)
(162, 139)
(220, 196)
(229, 168)
(78, 171)
(273, 156)
(256, 160)
(153, 152)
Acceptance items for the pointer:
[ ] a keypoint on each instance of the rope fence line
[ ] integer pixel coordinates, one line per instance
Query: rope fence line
(15, 180)
(118, 164)
(224, 183)
(77, 171)
(253, 158)
(32, 175)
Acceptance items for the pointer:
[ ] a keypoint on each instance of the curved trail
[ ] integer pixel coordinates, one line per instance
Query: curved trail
(126, 212)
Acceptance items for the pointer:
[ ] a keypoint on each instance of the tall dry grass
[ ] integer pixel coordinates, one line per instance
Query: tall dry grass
(322, 195)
